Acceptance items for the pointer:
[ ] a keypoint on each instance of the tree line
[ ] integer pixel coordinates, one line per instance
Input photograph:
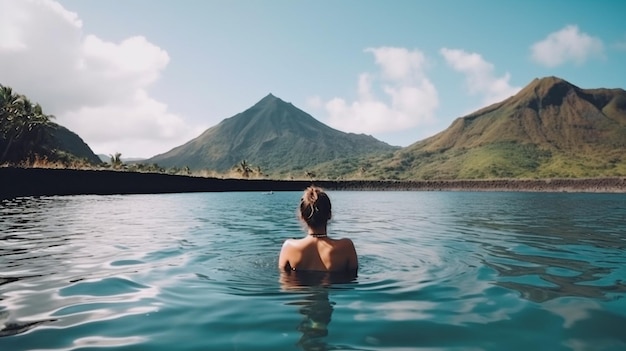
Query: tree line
(24, 128)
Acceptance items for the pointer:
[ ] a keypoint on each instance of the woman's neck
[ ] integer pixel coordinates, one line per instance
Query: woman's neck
(317, 233)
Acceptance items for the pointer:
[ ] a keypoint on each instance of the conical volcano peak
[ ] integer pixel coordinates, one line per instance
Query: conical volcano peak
(270, 103)
(271, 106)
(272, 134)
(270, 98)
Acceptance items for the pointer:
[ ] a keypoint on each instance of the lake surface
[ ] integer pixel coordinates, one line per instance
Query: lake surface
(438, 271)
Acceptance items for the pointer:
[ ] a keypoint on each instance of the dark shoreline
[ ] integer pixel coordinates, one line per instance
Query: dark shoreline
(16, 182)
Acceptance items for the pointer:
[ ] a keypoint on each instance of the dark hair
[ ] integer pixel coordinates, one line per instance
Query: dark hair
(315, 208)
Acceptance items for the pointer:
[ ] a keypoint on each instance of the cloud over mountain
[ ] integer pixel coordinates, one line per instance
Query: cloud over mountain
(95, 87)
(480, 78)
(410, 99)
(567, 44)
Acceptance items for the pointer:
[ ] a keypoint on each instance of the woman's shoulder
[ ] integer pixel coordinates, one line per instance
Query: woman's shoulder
(344, 242)
(292, 242)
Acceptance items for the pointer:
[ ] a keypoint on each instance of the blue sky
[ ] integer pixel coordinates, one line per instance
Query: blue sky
(142, 76)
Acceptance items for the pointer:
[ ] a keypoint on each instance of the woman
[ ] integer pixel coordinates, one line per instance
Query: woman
(316, 251)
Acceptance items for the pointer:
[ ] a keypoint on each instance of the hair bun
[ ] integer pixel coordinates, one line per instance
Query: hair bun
(315, 206)
(311, 195)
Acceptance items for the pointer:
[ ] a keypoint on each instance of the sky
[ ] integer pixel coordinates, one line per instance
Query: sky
(140, 77)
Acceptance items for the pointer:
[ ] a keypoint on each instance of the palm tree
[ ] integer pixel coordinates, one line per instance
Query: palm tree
(244, 169)
(116, 160)
(36, 129)
(22, 124)
(9, 118)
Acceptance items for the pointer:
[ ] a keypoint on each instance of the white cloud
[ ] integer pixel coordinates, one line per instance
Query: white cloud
(568, 44)
(479, 75)
(399, 64)
(96, 88)
(410, 98)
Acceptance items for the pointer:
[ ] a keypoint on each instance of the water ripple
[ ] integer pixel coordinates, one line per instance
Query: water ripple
(439, 271)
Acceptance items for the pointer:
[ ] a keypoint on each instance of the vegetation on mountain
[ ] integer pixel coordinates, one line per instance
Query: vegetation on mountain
(244, 169)
(273, 135)
(27, 134)
(550, 129)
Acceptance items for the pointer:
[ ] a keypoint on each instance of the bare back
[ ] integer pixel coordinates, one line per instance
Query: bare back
(323, 254)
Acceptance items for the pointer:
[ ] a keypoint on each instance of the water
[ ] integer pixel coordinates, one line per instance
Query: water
(439, 271)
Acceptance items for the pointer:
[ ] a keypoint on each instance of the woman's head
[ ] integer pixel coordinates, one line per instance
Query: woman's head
(315, 208)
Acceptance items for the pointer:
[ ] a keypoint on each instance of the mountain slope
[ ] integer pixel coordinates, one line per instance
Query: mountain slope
(551, 128)
(273, 135)
(27, 134)
(66, 141)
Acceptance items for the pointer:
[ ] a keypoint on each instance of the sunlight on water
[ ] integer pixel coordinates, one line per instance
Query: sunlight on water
(438, 271)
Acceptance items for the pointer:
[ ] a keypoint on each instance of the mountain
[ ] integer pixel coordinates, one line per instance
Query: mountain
(551, 128)
(68, 142)
(60, 144)
(273, 135)
(27, 134)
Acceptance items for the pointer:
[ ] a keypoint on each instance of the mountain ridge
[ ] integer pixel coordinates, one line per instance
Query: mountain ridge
(28, 135)
(543, 99)
(272, 134)
(550, 128)
(72, 143)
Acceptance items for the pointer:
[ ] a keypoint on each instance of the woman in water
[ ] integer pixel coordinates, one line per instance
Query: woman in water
(316, 251)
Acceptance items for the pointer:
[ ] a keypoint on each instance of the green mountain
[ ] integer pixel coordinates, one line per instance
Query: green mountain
(67, 142)
(60, 144)
(27, 135)
(551, 128)
(273, 135)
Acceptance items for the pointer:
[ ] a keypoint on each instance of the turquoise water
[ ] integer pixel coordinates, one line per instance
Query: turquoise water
(439, 271)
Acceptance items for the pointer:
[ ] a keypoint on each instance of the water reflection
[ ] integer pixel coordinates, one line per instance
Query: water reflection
(13, 328)
(567, 249)
(315, 306)
(52, 247)
(557, 276)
